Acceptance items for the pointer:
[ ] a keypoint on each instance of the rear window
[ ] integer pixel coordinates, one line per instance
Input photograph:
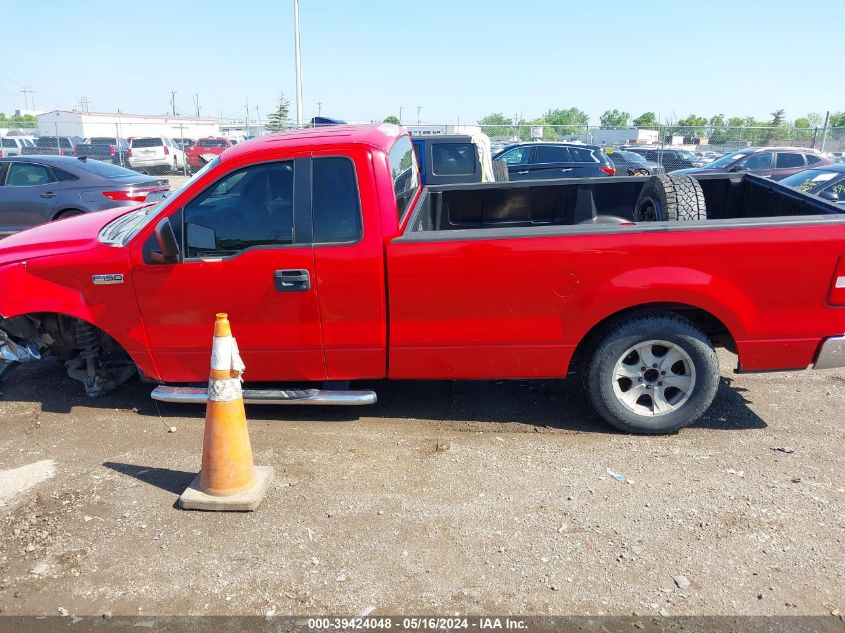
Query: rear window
(582, 155)
(453, 159)
(552, 154)
(337, 210)
(7, 142)
(789, 159)
(406, 178)
(100, 140)
(106, 170)
(211, 142)
(812, 159)
(46, 141)
(147, 142)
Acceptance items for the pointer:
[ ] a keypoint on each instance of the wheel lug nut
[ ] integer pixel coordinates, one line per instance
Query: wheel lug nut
(662, 373)
(639, 379)
(660, 384)
(654, 365)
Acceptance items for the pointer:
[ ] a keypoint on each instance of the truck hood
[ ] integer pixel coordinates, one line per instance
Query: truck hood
(70, 235)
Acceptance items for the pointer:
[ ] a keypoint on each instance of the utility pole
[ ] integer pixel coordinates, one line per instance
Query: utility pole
(824, 133)
(246, 118)
(418, 115)
(197, 104)
(173, 102)
(27, 90)
(319, 108)
(400, 114)
(257, 117)
(298, 68)
(83, 104)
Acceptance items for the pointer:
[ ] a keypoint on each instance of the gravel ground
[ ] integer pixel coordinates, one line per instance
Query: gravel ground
(442, 498)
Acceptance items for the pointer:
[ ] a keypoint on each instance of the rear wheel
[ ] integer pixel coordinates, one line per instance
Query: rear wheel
(651, 373)
(68, 213)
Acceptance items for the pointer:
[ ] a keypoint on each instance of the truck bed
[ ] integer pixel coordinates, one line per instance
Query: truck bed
(580, 201)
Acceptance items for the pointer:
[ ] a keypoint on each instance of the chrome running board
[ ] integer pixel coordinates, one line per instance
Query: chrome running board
(198, 395)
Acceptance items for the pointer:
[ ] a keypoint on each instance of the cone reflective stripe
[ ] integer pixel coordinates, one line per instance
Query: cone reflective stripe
(228, 479)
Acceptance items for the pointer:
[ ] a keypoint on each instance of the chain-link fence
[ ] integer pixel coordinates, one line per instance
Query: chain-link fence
(161, 144)
(675, 146)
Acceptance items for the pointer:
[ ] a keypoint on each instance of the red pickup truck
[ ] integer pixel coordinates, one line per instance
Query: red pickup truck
(334, 264)
(207, 149)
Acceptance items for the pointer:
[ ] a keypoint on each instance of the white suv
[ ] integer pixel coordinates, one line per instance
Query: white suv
(12, 145)
(155, 153)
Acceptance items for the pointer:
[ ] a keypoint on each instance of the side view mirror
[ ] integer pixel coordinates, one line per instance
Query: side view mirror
(830, 196)
(168, 252)
(739, 168)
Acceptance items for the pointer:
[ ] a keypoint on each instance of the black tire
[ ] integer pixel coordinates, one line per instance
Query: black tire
(68, 213)
(670, 198)
(500, 171)
(599, 376)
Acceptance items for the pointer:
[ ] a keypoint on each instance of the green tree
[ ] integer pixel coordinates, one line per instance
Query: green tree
(277, 119)
(647, 120)
(27, 120)
(392, 119)
(615, 118)
(566, 121)
(837, 119)
(497, 125)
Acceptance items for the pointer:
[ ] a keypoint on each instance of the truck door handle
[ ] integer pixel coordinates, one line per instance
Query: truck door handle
(522, 172)
(48, 194)
(292, 280)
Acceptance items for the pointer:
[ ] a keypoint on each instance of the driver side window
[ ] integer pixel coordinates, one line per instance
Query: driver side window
(249, 207)
(758, 161)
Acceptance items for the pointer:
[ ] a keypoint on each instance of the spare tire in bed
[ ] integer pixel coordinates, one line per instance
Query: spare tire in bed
(675, 198)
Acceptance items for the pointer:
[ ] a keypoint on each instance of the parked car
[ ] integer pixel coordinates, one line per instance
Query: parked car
(37, 189)
(452, 158)
(105, 148)
(53, 146)
(472, 281)
(184, 143)
(709, 156)
(13, 145)
(541, 161)
(626, 162)
(206, 149)
(769, 162)
(670, 159)
(155, 154)
(828, 182)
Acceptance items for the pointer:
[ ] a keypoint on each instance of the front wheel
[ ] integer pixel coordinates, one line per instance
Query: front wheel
(651, 373)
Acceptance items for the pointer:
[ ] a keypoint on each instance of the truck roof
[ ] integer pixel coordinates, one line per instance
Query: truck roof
(377, 135)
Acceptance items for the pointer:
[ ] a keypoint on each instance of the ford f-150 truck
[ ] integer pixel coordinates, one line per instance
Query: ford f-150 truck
(335, 264)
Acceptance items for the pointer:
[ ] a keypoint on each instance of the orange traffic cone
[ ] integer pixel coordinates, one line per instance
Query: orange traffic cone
(228, 479)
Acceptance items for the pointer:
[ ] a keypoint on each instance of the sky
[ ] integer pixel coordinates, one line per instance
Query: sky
(456, 60)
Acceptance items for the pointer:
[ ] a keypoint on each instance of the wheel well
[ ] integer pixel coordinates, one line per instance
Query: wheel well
(712, 327)
(57, 332)
(60, 214)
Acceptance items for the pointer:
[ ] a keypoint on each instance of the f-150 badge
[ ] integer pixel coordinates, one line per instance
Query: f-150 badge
(107, 280)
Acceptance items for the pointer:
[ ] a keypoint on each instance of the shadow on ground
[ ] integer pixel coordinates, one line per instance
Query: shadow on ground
(174, 481)
(460, 405)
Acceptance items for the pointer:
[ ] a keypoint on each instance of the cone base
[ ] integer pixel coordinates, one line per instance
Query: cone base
(194, 499)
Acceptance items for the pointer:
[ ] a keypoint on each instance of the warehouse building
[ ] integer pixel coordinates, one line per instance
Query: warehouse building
(88, 124)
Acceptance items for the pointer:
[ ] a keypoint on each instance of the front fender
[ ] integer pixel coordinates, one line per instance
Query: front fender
(57, 285)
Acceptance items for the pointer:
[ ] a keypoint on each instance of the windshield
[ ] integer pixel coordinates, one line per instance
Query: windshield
(724, 161)
(120, 231)
(687, 155)
(629, 156)
(809, 179)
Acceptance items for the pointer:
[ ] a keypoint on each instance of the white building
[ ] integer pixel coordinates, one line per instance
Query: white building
(624, 136)
(87, 124)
